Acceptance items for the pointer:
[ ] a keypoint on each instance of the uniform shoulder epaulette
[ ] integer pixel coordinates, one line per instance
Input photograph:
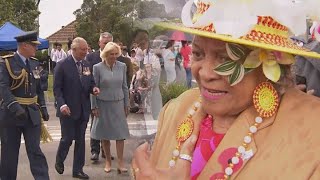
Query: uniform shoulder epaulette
(7, 56)
(33, 58)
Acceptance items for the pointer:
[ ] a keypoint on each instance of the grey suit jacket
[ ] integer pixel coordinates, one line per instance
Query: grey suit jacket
(112, 83)
(310, 68)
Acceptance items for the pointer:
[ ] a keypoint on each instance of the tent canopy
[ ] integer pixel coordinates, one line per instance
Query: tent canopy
(7, 41)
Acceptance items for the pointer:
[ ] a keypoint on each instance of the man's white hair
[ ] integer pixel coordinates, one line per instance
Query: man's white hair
(76, 41)
(106, 35)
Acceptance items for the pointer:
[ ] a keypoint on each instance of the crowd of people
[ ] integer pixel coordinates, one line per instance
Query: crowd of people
(108, 73)
(127, 82)
(97, 84)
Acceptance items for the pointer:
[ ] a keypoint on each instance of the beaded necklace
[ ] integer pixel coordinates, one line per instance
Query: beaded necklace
(183, 132)
(266, 102)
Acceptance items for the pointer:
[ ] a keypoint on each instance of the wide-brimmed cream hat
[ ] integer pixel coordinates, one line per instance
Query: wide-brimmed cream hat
(266, 24)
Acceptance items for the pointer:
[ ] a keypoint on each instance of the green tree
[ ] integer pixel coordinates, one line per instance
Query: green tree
(156, 31)
(88, 21)
(119, 17)
(151, 9)
(114, 16)
(23, 14)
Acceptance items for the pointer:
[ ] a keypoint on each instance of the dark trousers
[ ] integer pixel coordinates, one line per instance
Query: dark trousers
(188, 77)
(0, 153)
(72, 130)
(53, 66)
(94, 144)
(10, 145)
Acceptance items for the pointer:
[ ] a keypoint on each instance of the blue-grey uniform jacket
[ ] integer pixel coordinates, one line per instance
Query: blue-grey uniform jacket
(29, 88)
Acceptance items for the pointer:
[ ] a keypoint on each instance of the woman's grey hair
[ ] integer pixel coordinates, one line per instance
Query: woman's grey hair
(286, 80)
(76, 41)
(105, 35)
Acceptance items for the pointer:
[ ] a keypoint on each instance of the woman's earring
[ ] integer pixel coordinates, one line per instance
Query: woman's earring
(266, 99)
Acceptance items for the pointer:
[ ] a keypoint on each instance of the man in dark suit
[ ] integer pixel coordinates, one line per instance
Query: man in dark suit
(22, 100)
(73, 84)
(124, 59)
(44, 75)
(0, 132)
(94, 58)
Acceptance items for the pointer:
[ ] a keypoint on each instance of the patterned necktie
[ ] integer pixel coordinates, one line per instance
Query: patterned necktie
(79, 67)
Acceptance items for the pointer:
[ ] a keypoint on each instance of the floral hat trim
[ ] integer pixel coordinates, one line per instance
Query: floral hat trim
(243, 60)
(257, 23)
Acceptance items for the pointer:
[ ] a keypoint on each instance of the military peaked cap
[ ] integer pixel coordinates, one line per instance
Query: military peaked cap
(30, 36)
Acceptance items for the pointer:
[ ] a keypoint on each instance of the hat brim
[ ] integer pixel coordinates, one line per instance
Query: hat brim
(36, 42)
(226, 38)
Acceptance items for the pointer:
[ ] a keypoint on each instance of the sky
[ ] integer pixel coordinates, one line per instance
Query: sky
(55, 14)
(58, 13)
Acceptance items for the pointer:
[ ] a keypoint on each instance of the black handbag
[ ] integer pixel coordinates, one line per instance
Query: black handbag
(137, 97)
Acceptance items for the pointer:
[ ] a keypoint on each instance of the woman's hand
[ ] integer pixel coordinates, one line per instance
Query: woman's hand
(95, 91)
(65, 110)
(143, 169)
(95, 112)
(303, 87)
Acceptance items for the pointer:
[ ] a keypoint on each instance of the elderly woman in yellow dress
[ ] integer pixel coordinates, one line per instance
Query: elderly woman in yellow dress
(246, 120)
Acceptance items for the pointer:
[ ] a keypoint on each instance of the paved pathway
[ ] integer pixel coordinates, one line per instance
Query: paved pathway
(136, 128)
(142, 128)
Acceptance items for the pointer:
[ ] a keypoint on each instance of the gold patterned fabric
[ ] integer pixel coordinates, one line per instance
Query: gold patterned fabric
(286, 145)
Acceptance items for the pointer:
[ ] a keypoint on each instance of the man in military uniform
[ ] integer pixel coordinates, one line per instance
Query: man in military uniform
(22, 108)
(0, 132)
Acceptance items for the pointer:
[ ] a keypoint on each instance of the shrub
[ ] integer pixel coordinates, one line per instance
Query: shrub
(42, 55)
(171, 91)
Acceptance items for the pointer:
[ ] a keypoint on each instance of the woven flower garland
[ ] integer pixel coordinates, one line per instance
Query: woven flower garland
(265, 99)
(184, 130)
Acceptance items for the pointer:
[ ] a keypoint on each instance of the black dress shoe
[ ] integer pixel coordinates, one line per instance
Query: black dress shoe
(80, 175)
(95, 157)
(59, 167)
